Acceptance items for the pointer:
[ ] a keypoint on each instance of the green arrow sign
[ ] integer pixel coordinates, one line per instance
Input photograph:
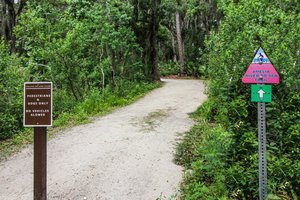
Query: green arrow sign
(261, 93)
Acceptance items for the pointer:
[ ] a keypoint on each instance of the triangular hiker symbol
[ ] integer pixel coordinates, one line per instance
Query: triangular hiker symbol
(261, 57)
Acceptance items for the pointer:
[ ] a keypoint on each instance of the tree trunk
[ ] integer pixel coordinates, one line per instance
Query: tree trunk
(174, 48)
(180, 45)
(110, 52)
(9, 13)
(3, 21)
(153, 29)
(113, 66)
(10, 22)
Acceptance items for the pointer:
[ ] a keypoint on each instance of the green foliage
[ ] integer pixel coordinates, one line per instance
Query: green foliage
(12, 77)
(168, 68)
(204, 152)
(172, 68)
(195, 69)
(246, 26)
(88, 49)
(198, 18)
(72, 44)
(99, 103)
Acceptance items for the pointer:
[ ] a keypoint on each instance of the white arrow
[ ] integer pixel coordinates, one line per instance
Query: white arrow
(261, 93)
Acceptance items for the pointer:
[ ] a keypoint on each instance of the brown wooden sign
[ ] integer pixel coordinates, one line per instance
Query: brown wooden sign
(37, 104)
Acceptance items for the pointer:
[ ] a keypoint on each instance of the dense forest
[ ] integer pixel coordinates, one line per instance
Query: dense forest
(104, 53)
(93, 48)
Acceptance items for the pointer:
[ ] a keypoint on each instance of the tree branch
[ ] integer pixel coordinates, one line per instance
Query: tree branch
(21, 6)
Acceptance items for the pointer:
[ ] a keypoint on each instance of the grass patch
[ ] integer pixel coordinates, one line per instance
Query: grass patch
(203, 152)
(152, 120)
(174, 196)
(9, 146)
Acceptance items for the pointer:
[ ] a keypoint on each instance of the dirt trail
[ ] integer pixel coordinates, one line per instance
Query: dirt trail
(127, 155)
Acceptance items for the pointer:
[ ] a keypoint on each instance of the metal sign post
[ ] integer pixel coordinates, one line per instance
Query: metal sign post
(261, 71)
(38, 114)
(262, 151)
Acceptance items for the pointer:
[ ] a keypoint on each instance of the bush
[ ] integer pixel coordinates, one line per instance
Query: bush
(168, 68)
(12, 77)
(204, 152)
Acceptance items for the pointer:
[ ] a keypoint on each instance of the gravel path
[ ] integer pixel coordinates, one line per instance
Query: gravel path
(127, 155)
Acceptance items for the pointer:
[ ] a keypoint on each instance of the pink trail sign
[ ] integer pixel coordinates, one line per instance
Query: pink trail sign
(261, 70)
(261, 73)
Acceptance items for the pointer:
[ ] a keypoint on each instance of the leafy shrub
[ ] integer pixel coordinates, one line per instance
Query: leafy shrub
(204, 151)
(194, 69)
(168, 68)
(62, 102)
(12, 77)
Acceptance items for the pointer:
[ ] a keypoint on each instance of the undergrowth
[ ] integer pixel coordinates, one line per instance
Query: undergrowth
(203, 152)
(219, 164)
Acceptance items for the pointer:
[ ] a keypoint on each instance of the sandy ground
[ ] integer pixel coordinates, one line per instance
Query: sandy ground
(127, 155)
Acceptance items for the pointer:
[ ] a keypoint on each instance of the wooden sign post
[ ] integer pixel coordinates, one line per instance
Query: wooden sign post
(38, 114)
